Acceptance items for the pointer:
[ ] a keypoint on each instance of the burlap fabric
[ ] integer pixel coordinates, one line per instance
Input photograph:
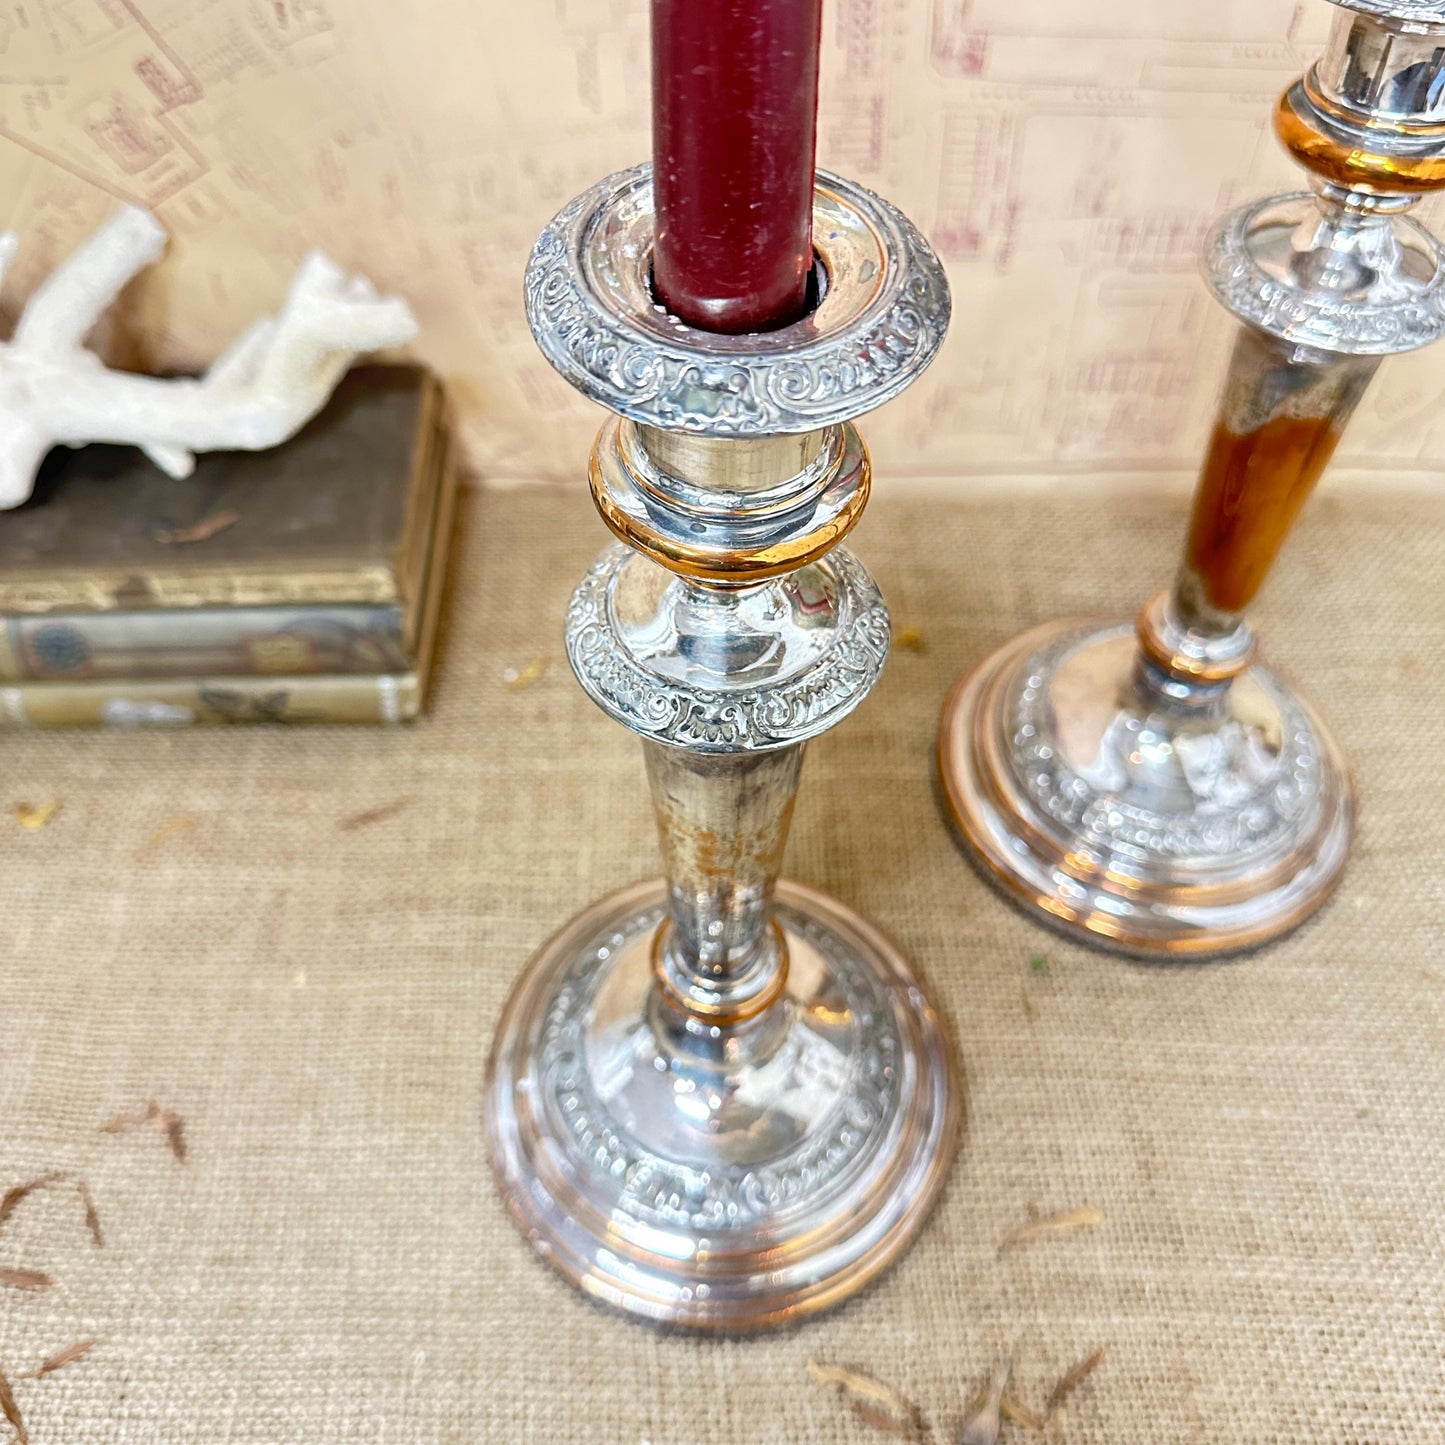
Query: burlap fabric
(213, 921)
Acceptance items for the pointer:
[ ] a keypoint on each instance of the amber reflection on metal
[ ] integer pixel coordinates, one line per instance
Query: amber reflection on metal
(770, 1196)
(1116, 853)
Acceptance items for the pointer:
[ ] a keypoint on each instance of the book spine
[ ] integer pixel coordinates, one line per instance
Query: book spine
(183, 702)
(192, 642)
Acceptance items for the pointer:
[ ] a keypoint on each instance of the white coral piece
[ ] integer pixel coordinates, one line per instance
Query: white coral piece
(264, 387)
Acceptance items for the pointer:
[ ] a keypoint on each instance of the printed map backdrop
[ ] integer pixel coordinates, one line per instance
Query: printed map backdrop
(1066, 157)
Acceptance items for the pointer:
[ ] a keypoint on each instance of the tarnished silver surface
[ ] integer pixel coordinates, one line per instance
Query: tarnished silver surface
(1375, 72)
(1423, 12)
(701, 513)
(721, 1101)
(1160, 826)
(723, 1179)
(881, 318)
(727, 670)
(1151, 787)
(1322, 275)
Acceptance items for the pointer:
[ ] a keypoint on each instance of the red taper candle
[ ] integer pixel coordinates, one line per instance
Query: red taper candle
(734, 133)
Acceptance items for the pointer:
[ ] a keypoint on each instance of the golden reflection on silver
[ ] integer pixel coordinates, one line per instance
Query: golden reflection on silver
(721, 1101)
(1153, 788)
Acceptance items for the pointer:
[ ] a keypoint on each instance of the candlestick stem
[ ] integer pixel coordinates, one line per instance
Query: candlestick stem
(723, 820)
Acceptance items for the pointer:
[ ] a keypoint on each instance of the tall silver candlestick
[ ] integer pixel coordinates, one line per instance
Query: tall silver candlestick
(1152, 787)
(719, 1100)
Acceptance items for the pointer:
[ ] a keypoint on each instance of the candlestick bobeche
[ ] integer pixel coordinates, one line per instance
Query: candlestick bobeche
(718, 1100)
(1153, 788)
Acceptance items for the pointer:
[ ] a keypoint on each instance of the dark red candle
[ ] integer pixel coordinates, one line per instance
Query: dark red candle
(734, 131)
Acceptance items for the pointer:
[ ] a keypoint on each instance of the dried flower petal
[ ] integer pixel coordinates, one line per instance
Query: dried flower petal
(11, 1411)
(182, 823)
(92, 1218)
(908, 639)
(28, 1279)
(872, 1400)
(1073, 1378)
(1017, 1413)
(174, 1128)
(200, 531)
(1066, 1221)
(122, 1122)
(983, 1423)
(61, 1358)
(171, 1125)
(14, 1195)
(518, 678)
(36, 815)
(372, 815)
(880, 1419)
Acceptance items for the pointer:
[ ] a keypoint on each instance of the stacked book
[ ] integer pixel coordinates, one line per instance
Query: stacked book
(301, 584)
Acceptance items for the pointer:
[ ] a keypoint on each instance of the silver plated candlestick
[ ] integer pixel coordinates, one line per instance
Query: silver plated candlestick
(1151, 787)
(719, 1100)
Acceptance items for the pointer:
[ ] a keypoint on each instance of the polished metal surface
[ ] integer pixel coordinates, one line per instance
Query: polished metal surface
(1313, 271)
(1153, 788)
(1194, 825)
(881, 316)
(1416, 12)
(727, 669)
(721, 1179)
(723, 1102)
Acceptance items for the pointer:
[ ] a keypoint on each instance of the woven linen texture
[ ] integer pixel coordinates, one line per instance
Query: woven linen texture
(299, 941)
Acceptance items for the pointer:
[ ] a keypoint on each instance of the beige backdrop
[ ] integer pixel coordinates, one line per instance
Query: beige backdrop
(1066, 158)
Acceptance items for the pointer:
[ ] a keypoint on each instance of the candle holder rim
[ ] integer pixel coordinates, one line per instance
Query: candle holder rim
(879, 323)
(1244, 284)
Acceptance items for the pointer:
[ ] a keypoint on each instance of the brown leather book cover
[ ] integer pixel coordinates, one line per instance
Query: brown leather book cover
(341, 513)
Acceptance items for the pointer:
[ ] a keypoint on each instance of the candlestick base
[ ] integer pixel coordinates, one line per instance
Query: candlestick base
(1149, 828)
(720, 1177)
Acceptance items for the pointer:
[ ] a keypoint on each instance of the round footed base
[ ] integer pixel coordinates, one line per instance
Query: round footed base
(1143, 828)
(720, 1178)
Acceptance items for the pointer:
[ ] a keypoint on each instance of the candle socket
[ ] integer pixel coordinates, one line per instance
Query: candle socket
(721, 1100)
(1151, 787)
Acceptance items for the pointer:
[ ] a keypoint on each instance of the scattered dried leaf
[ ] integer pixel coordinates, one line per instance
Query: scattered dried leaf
(201, 531)
(1030, 1012)
(880, 1419)
(29, 1279)
(518, 678)
(373, 815)
(1017, 1413)
(61, 1358)
(873, 1402)
(983, 1422)
(1039, 964)
(11, 1411)
(181, 823)
(1073, 1378)
(14, 1195)
(1066, 1221)
(909, 639)
(92, 1218)
(36, 815)
(171, 1125)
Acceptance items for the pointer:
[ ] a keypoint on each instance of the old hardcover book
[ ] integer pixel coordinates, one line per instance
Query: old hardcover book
(343, 513)
(304, 639)
(180, 702)
(377, 695)
(360, 696)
